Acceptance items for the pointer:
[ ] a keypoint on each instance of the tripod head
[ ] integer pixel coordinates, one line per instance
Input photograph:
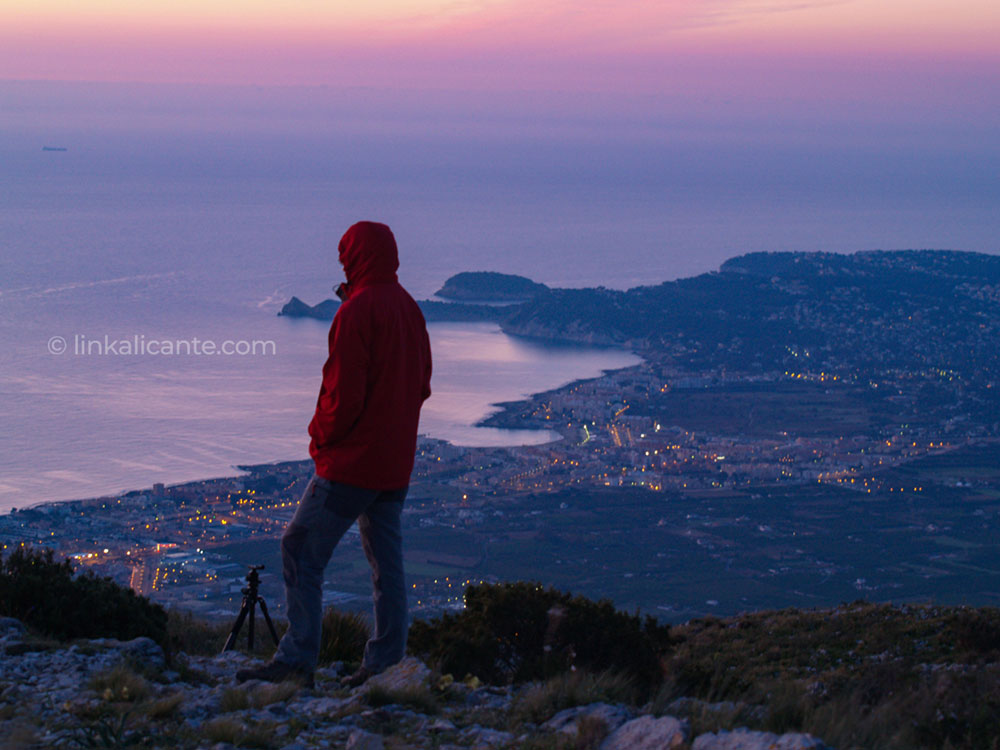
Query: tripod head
(253, 579)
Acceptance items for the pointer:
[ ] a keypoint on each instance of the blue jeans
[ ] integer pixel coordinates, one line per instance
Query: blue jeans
(324, 515)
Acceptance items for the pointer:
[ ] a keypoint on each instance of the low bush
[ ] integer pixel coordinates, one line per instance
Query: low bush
(906, 677)
(519, 632)
(47, 596)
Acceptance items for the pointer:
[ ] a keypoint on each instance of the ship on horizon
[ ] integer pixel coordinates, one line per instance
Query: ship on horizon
(54, 148)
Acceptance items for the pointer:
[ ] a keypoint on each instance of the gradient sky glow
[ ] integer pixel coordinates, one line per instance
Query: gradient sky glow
(575, 44)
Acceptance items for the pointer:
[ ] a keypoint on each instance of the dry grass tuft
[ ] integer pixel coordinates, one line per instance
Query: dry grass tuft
(590, 733)
(120, 685)
(540, 702)
(234, 699)
(344, 636)
(164, 707)
(235, 732)
(266, 694)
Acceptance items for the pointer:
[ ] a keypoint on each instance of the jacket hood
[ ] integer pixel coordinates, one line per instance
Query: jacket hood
(368, 254)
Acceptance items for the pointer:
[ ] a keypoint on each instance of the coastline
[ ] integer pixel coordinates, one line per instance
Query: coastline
(504, 418)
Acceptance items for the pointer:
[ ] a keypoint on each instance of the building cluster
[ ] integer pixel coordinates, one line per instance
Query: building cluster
(181, 544)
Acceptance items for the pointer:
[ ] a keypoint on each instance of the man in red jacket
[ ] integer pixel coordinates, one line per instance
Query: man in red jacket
(364, 437)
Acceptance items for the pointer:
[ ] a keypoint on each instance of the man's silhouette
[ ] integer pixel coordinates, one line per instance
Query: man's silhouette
(364, 436)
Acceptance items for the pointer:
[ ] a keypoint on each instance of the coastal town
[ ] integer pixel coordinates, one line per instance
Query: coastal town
(808, 429)
(662, 490)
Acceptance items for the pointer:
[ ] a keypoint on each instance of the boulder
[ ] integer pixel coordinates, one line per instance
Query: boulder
(746, 739)
(8, 625)
(566, 721)
(362, 740)
(484, 738)
(141, 650)
(647, 733)
(409, 674)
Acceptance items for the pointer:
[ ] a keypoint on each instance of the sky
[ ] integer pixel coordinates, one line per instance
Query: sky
(774, 47)
(892, 106)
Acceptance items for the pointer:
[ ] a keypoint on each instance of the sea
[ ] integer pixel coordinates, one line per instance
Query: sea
(135, 218)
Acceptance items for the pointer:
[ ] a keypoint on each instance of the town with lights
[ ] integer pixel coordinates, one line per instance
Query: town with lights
(816, 437)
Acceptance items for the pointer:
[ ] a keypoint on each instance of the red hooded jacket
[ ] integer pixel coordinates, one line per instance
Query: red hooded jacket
(378, 374)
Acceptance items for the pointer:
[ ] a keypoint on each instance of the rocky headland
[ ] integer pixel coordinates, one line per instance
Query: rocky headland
(490, 286)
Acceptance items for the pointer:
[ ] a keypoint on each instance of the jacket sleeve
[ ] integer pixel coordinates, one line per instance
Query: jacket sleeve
(343, 392)
(425, 391)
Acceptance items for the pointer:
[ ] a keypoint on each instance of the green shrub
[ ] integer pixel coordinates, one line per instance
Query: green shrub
(518, 632)
(861, 675)
(344, 636)
(48, 597)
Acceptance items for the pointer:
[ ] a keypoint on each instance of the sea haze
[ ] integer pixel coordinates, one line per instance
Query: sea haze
(193, 212)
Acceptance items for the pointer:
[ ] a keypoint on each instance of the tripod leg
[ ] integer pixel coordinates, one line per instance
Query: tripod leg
(253, 603)
(231, 640)
(267, 619)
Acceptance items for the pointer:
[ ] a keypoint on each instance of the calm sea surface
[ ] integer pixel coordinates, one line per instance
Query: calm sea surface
(179, 216)
(87, 421)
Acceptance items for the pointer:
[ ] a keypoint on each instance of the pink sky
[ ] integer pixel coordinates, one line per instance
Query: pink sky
(625, 45)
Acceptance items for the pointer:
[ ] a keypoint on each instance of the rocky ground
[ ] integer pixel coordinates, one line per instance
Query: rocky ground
(110, 694)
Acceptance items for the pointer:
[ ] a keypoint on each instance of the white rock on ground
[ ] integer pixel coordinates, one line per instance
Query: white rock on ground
(745, 739)
(48, 689)
(409, 674)
(566, 721)
(647, 733)
(11, 627)
(362, 740)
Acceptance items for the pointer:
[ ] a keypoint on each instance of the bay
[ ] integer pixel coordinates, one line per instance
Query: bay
(108, 414)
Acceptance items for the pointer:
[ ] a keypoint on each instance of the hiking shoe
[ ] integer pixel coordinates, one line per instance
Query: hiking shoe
(358, 678)
(278, 671)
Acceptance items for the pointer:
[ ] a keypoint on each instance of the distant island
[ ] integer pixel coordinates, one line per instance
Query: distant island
(54, 148)
(490, 286)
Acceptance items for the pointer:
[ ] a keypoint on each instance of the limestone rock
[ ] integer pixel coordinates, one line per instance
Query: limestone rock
(361, 740)
(9, 624)
(323, 706)
(409, 674)
(647, 733)
(142, 650)
(746, 739)
(481, 737)
(566, 721)
(493, 698)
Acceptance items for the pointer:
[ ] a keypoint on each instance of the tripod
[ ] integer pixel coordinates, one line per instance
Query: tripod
(250, 600)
